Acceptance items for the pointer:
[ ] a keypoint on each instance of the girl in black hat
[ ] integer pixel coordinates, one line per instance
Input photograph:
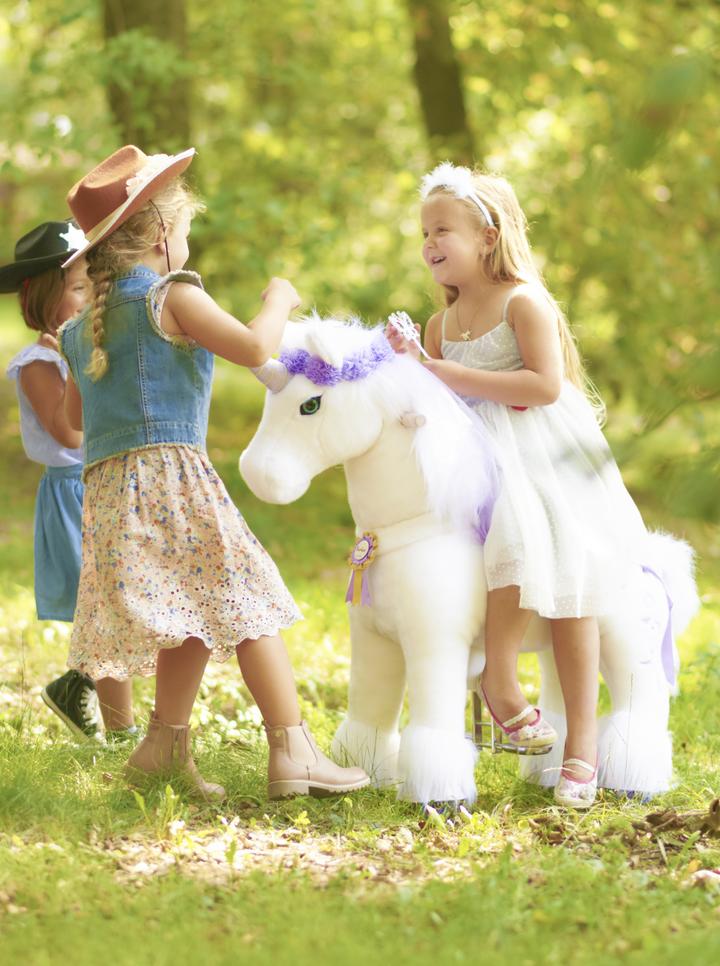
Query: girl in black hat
(48, 295)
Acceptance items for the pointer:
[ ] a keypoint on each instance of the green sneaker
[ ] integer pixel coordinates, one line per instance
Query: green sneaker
(74, 700)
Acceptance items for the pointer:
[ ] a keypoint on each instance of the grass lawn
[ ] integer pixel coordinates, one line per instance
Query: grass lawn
(88, 868)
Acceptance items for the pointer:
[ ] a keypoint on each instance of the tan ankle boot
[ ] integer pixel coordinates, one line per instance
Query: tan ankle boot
(298, 767)
(165, 750)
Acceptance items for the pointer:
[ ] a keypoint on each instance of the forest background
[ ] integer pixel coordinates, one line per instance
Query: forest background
(314, 121)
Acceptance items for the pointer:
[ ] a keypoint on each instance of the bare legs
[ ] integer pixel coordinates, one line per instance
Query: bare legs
(166, 746)
(576, 646)
(265, 666)
(179, 673)
(295, 764)
(267, 671)
(505, 627)
(115, 699)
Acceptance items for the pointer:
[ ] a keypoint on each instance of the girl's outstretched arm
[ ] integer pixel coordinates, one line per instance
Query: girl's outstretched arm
(190, 311)
(538, 383)
(45, 390)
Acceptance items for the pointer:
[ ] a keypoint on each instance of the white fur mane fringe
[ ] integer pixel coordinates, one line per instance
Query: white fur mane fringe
(454, 450)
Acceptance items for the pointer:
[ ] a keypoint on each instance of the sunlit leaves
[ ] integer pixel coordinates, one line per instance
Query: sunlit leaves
(310, 146)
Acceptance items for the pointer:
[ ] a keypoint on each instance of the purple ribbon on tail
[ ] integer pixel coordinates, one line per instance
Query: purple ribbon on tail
(666, 654)
(361, 556)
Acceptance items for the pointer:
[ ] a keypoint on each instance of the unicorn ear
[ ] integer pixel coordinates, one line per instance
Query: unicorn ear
(411, 420)
(320, 337)
(323, 341)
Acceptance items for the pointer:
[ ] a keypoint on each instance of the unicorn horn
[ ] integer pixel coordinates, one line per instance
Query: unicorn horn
(273, 374)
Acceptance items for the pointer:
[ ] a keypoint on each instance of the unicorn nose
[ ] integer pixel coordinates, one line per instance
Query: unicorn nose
(270, 479)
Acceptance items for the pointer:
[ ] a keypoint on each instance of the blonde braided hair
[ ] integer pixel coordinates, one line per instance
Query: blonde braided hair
(102, 283)
(123, 249)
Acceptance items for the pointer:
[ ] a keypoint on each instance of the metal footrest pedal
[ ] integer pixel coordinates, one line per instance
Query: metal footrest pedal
(487, 734)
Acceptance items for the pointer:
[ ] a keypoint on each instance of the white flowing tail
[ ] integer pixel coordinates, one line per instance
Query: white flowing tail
(674, 561)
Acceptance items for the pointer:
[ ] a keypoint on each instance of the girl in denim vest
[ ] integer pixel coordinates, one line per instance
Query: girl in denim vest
(49, 295)
(171, 575)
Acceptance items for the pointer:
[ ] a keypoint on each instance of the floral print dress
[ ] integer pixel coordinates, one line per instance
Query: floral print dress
(167, 556)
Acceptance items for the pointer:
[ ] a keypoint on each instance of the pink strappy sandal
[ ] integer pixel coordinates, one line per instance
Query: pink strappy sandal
(574, 792)
(534, 737)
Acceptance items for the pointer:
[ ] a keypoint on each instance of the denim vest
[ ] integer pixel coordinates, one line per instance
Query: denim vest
(157, 386)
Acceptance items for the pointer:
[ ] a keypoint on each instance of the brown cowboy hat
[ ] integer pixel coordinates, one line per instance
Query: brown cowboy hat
(117, 188)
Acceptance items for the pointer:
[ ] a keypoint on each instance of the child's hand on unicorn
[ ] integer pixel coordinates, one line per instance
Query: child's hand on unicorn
(403, 335)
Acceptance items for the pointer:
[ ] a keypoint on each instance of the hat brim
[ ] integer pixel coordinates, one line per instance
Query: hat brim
(12, 276)
(174, 167)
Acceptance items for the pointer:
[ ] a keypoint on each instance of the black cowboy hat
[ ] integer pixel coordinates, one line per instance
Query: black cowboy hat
(46, 246)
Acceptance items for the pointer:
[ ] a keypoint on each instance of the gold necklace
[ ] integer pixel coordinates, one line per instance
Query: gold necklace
(465, 335)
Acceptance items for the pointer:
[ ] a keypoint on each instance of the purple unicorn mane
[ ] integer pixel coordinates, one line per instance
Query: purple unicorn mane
(358, 365)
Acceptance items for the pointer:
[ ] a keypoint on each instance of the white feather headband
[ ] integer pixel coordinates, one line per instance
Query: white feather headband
(459, 181)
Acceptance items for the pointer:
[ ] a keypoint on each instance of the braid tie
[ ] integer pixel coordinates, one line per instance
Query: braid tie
(97, 367)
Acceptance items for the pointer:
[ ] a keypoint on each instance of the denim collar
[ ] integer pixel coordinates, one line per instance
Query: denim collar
(137, 271)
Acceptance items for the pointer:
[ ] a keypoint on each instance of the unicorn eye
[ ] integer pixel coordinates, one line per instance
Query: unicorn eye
(310, 406)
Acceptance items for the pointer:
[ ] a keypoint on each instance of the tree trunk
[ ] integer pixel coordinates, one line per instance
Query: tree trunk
(151, 105)
(439, 82)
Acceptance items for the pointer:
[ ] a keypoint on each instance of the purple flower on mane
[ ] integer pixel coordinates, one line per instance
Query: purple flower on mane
(357, 366)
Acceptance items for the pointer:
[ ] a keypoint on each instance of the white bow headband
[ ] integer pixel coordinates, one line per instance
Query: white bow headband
(459, 181)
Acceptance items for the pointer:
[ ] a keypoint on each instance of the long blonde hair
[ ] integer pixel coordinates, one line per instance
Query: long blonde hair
(511, 261)
(123, 249)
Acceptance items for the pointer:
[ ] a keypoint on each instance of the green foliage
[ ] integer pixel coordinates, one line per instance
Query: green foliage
(310, 148)
(311, 144)
(599, 113)
(87, 865)
(139, 64)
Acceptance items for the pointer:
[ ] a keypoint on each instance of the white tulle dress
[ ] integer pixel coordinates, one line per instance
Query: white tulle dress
(564, 528)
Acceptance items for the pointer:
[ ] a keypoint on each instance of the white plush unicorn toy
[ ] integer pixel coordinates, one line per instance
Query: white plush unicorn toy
(421, 484)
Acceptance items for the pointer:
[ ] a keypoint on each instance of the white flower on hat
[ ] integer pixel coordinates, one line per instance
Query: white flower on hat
(152, 167)
(74, 237)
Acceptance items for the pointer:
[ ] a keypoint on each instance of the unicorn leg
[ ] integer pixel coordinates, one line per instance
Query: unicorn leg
(368, 736)
(436, 760)
(635, 749)
(545, 769)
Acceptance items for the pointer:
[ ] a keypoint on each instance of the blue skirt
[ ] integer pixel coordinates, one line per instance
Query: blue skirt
(58, 541)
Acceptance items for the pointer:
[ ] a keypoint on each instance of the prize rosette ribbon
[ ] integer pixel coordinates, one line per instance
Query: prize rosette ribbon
(360, 558)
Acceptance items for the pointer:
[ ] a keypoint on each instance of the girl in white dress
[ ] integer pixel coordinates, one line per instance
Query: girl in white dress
(565, 530)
